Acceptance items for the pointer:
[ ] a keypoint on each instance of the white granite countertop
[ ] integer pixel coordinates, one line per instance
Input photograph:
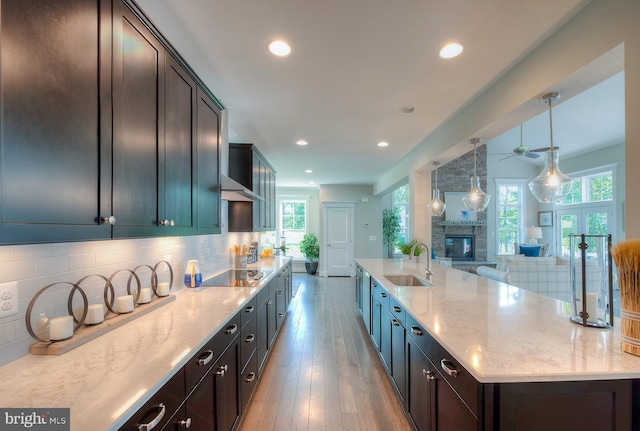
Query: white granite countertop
(108, 379)
(501, 333)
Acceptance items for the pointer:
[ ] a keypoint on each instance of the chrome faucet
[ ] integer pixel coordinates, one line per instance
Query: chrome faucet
(428, 251)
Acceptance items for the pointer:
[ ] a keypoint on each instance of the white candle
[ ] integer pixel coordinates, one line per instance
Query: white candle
(95, 314)
(592, 306)
(145, 295)
(163, 289)
(125, 304)
(61, 328)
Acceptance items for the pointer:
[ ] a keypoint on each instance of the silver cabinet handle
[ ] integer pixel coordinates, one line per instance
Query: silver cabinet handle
(222, 369)
(250, 377)
(397, 309)
(151, 425)
(280, 315)
(428, 374)
(250, 338)
(384, 295)
(269, 302)
(232, 329)
(394, 322)
(249, 309)
(204, 361)
(186, 423)
(449, 368)
(279, 292)
(416, 330)
(111, 220)
(167, 223)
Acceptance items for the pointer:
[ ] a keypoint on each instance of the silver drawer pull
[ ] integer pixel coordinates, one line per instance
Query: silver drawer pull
(186, 423)
(249, 309)
(416, 330)
(394, 322)
(428, 374)
(151, 425)
(449, 368)
(250, 338)
(384, 295)
(232, 329)
(279, 292)
(250, 377)
(222, 370)
(204, 361)
(397, 309)
(280, 315)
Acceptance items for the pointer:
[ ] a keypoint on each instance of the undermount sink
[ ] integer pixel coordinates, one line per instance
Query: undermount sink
(406, 280)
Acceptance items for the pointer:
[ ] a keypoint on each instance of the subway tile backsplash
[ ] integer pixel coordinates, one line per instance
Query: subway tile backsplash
(36, 266)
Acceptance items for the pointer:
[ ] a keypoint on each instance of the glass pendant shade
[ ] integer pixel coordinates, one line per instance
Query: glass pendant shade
(551, 185)
(476, 199)
(437, 206)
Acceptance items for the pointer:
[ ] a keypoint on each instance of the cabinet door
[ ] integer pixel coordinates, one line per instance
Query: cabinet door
(281, 303)
(263, 336)
(451, 412)
(138, 147)
(398, 367)
(258, 188)
(55, 122)
(272, 317)
(227, 398)
(385, 336)
(179, 213)
(376, 310)
(208, 183)
(420, 388)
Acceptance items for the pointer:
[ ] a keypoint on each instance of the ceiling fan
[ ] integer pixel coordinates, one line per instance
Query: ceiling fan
(522, 150)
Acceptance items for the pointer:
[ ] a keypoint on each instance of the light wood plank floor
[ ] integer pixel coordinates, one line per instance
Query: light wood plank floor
(323, 373)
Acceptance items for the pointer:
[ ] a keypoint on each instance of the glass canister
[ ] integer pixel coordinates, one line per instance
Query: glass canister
(591, 280)
(192, 275)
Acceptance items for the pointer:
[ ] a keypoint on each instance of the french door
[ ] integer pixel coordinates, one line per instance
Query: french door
(594, 219)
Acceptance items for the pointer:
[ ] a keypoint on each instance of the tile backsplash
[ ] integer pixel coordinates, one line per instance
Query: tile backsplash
(36, 266)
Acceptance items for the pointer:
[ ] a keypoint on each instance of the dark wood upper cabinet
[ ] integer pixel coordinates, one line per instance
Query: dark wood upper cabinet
(249, 167)
(105, 131)
(208, 164)
(55, 142)
(138, 141)
(179, 213)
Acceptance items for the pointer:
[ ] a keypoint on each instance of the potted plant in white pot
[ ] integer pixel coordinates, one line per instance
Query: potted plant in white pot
(311, 250)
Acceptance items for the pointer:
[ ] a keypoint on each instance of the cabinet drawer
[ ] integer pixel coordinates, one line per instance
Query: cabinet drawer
(397, 311)
(202, 361)
(248, 381)
(248, 311)
(380, 292)
(417, 333)
(161, 406)
(248, 340)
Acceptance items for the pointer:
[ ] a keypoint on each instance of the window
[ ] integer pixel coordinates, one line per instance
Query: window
(597, 187)
(293, 224)
(509, 210)
(401, 203)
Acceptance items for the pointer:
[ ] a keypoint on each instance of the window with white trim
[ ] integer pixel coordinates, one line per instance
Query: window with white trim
(292, 220)
(509, 212)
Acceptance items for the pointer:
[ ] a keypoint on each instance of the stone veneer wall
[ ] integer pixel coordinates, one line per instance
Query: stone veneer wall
(454, 177)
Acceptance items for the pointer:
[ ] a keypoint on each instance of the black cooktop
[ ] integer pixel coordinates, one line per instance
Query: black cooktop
(237, 277)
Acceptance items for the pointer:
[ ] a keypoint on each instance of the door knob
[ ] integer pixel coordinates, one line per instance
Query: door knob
(111, 220)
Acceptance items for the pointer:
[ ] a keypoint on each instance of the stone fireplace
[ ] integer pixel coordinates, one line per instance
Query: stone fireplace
(454, 177)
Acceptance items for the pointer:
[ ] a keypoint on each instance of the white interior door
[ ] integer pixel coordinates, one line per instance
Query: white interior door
(338, 230)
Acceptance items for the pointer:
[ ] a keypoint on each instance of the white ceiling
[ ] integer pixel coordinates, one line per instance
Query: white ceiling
(354, 65)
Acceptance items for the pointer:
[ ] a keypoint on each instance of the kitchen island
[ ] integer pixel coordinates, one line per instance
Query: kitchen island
(106, 380)
(516, 351)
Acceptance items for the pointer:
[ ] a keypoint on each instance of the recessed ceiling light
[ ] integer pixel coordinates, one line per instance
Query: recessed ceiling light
(279, 48)
(309, 171)
(383, 144)
(408, 109)
(451, 50)
(302, 142)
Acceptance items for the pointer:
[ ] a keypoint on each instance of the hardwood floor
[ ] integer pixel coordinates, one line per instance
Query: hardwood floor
(323, 373)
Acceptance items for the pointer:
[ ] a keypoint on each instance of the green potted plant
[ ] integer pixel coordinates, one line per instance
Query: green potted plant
(390, 228)
(406, 248)
(311, 250)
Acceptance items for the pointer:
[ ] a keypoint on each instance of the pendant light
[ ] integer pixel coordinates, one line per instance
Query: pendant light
(551, 185)
(476, 199)
(437, 206)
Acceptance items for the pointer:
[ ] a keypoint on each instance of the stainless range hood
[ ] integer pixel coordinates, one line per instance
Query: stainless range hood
(234, 191)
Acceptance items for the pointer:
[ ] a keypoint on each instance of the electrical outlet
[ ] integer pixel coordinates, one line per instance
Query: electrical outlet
(8, 299)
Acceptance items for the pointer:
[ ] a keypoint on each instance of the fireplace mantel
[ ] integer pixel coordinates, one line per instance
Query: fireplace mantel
(472, 224)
